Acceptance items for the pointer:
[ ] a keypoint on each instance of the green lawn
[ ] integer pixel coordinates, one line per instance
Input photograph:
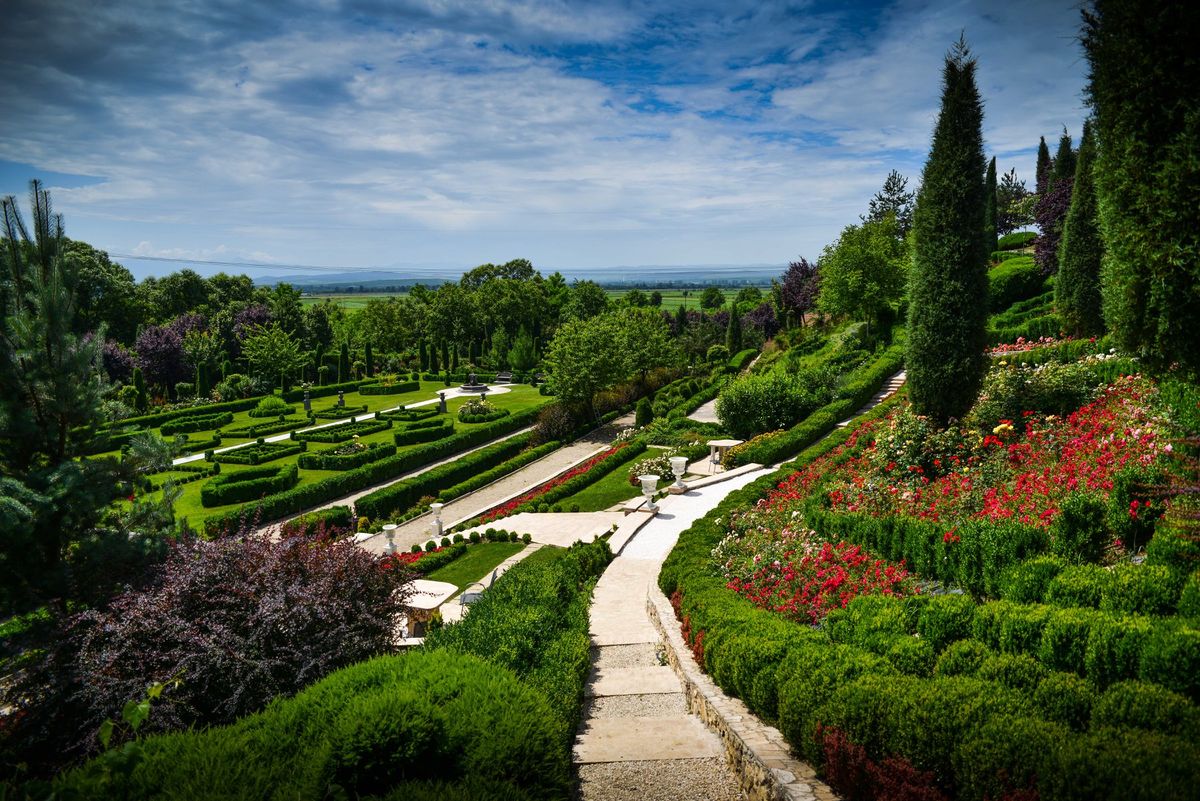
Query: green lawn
(547, 553)
(188, 506)
(612, 489)
(477, 563)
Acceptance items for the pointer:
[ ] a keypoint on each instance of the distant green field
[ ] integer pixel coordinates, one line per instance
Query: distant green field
(672, 299)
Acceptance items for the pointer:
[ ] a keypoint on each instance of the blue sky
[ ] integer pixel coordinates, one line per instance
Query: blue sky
(447, 133)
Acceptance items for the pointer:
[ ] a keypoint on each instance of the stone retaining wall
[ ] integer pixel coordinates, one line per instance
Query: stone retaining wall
(757, 753)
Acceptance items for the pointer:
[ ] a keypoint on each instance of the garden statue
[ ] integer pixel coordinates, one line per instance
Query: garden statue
(341, 399)
(307, 402)
(441, 402)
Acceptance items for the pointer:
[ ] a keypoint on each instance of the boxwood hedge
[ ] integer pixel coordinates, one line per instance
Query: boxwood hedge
(343, 432)
(326, 460)
(245, 485)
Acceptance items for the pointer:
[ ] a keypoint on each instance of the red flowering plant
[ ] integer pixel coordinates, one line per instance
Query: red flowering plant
(541, 490)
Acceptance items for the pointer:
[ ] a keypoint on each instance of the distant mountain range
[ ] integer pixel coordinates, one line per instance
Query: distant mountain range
(649, 276)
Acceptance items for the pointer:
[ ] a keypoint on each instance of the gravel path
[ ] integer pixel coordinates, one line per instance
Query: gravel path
(661, 780)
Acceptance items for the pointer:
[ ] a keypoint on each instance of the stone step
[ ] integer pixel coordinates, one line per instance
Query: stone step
(633, 681)
(645, 738)
(659, 705)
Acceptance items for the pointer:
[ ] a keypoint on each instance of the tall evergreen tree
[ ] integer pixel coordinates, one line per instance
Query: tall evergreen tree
(1077, 290)
(681, 320)
(1052, 206)
(434, 367)
(733, 332)
(1013, 209)
(895, 199)
(990, 223)
(142, 400)
(369, 358)
(51, 401)
(344, 363)
(423, 355)
(1146, 99)
(1044, 165)
(947, 331)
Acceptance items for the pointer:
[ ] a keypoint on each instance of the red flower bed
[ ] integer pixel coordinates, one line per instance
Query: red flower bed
(405, 559)
(542, 489)
(807, 585)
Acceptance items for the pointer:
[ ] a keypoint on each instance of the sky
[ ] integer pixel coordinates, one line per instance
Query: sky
(443, 134)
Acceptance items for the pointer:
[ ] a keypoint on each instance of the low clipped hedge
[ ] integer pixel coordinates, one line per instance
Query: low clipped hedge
(1017, 239)
(334, 518)
(424, 431)
(858, 389)
(409, 415)
(739, 360)
(426, 724)
(158, 418)
(197, 422)
(193, 446)
(863, 698)
(193, 472)
(1004, 255)
(397, 498)
(260, 452)
(486, 417)
(272, 406)
(1014, 280)
(338, 412)
(326, 460)
(266, 429)
(303, 497)
(398, 388)
(294, 395)
(245, 485)
(343, 432)
(1044, 325)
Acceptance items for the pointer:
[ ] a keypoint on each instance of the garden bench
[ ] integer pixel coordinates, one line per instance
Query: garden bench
(504, 378)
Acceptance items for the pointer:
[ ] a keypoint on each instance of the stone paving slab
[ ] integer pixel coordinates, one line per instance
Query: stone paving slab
(639, 739)
(633, 681)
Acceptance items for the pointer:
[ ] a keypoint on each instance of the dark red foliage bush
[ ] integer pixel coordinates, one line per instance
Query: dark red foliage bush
(856, 776)
(241, 620)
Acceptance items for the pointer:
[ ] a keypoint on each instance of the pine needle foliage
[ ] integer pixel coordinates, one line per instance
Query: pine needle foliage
(1077, 290)
(1143, 90)
(948, 287)
(989, 210)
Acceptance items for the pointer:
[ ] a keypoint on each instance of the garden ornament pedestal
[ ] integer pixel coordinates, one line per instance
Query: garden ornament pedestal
(678, 467)
(473, 385)
(441, 403)
(435, 528)
(649, 486)
(716, 451)
(389, 531)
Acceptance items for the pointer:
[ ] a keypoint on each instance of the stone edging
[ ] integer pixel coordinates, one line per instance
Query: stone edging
(757, 753)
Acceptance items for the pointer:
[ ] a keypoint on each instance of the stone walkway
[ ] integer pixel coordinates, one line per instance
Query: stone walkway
(473, 504)
(706, 413)
(637, 740)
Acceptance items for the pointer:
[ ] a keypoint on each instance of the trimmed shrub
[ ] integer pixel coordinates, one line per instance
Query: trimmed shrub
(266, 429)
(1065, 639)
(244, 485)
(944, 619)
(272, 406)
(259, 453)
(1013, 280)
(1029, 581)
(1079, 585)
(344, 431)
(1014, 671)
(333, 521)
(1016, 240)
(1171, 657)
(327, 460)
(417, 433)
(1142, 589)
(409, 415)
(1064, 698)
(389, 389)
(196, 422)
(962, 658)
(338, 412)
(1079, 532)
(1138, 704)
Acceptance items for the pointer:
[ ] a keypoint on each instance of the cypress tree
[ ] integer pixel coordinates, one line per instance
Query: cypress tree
(947, 331)
(1064, 161)
(1052, 206)
(1077, 290)
(1146, 99)
(139, 384)
(445, 356)
(423, 355)
(989, 209)
(369, 358)
(1044, 165)
(344, 364)
(434, 367)
(454, 358)
(733, 333)
(681, 320)
(203, 381)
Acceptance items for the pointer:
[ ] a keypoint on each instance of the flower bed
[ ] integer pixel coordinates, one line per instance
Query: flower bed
(1044, 693)
(346, 457)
